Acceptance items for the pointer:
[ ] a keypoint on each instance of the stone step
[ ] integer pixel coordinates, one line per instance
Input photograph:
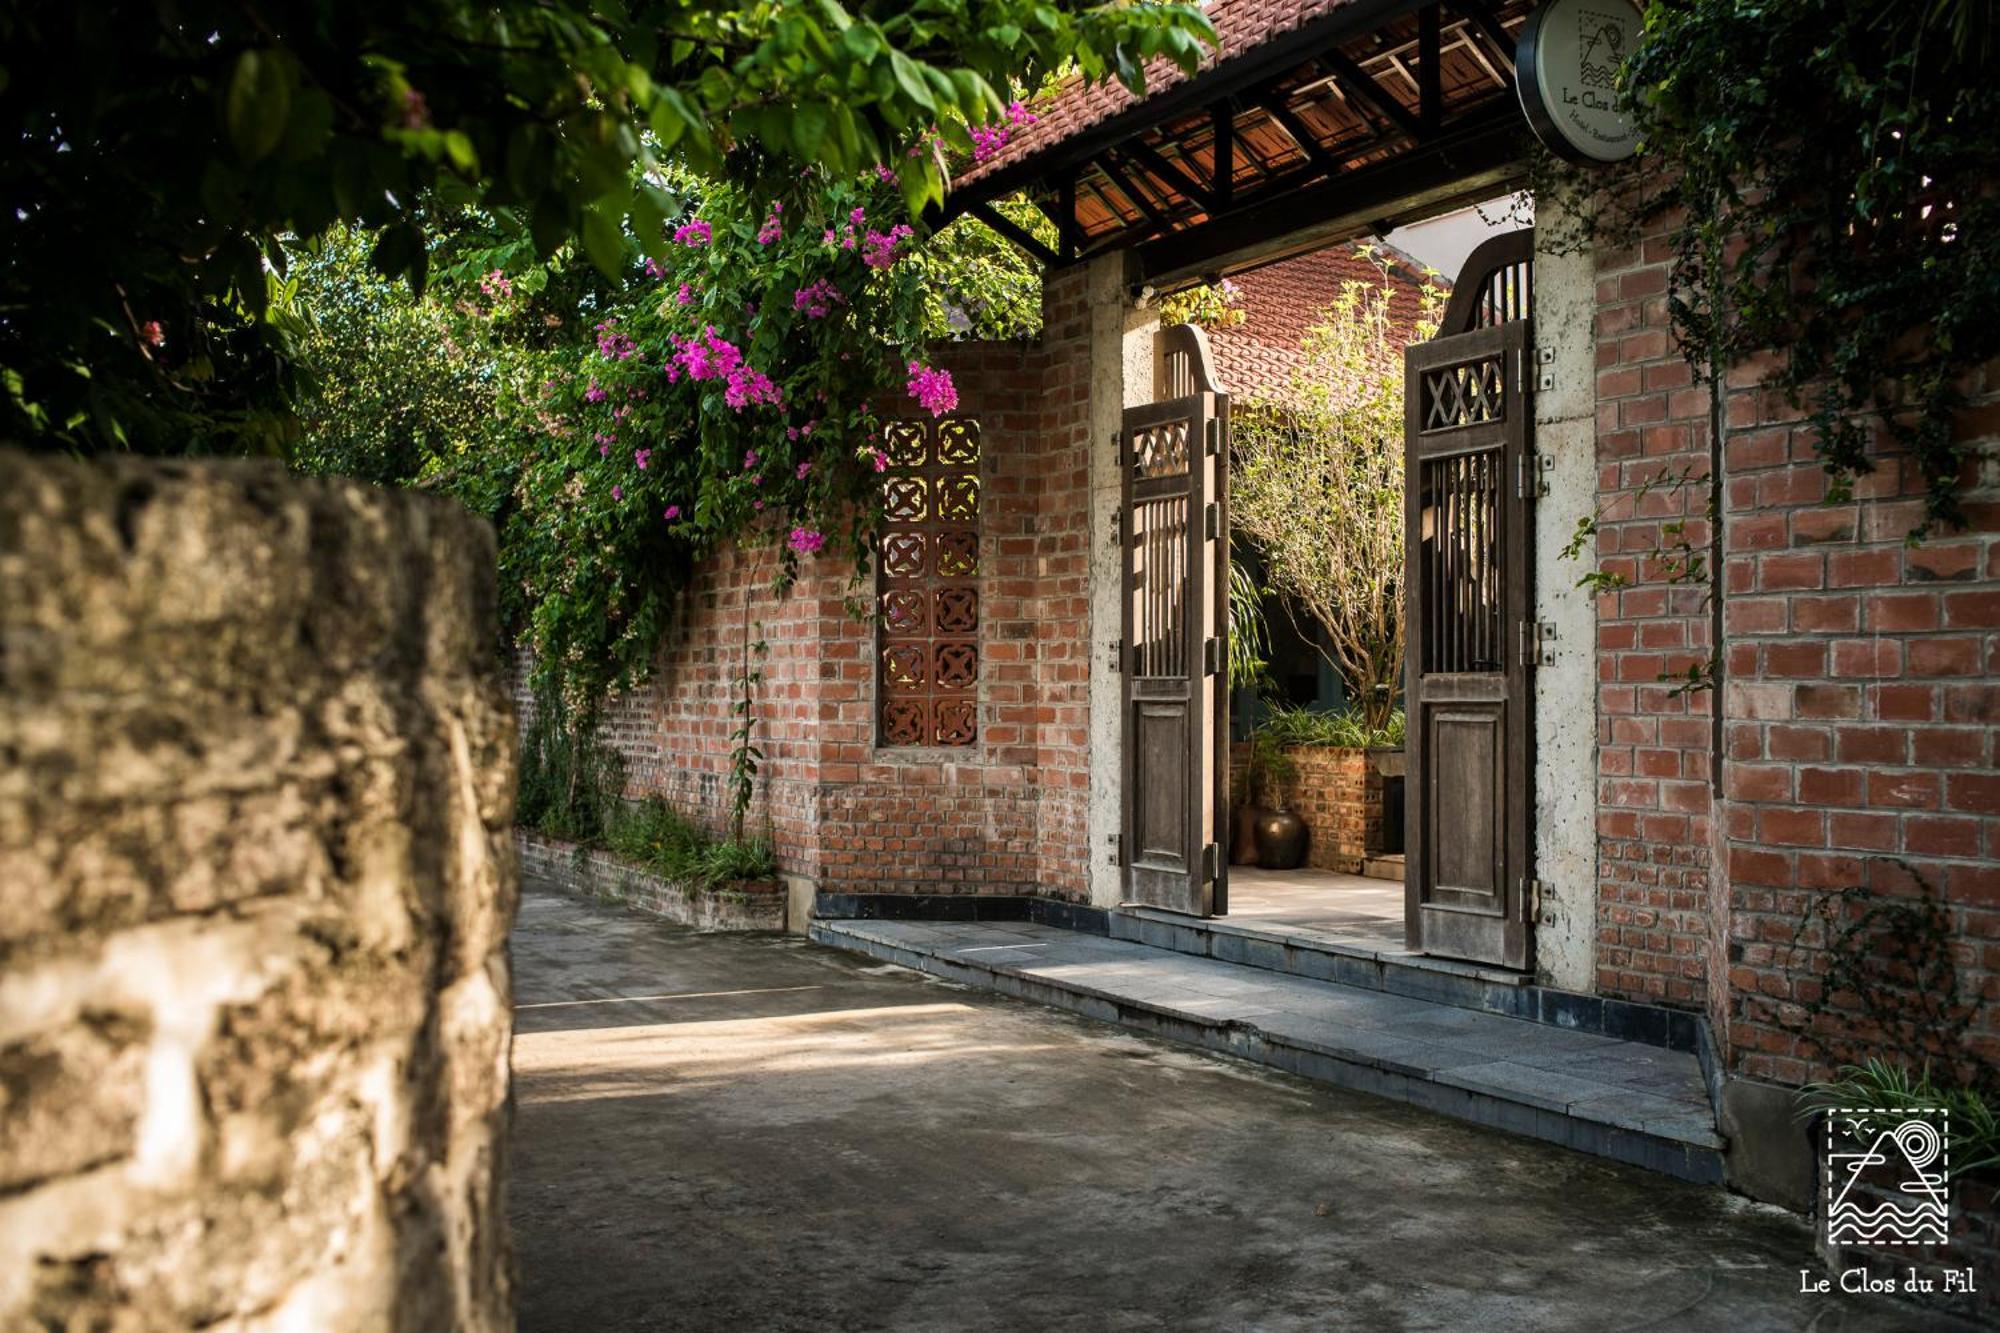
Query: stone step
(1372, 962)
(1384, 867)
(1625, 1100)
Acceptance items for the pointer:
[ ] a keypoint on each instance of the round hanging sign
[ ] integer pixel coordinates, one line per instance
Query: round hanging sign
(1566, 71)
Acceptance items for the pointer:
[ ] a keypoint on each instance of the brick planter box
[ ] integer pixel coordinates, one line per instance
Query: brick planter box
(594, 873)
(1337, 790)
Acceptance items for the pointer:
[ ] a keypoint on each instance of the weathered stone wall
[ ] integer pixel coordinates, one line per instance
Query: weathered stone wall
(256, 779)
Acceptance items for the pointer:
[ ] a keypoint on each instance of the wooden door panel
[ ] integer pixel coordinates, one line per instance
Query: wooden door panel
(1465, 759)
(1468, 597)
(1173, 464)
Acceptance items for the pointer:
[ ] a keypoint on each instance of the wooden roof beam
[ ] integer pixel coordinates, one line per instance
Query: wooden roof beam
(1357, 83)
(1308, 142)
(1479, 16)
(1172, 173)
(1108, 164)
(1019, 235)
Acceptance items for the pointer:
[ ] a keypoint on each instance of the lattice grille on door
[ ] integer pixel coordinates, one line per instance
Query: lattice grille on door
(1470, 393)
(927, 635)
(1462, 595)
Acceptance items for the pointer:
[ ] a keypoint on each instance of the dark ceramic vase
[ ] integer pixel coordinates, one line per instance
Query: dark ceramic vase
(1281, 840)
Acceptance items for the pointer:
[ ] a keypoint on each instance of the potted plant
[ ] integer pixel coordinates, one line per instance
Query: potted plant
(1279, 834)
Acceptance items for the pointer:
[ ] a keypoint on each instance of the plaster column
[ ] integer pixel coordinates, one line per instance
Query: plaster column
(1121, 374)
(1566, 683)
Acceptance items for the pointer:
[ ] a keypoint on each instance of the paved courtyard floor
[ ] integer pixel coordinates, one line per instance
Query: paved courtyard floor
(722, 1132)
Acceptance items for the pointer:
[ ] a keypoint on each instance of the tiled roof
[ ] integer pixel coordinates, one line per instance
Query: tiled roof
(1241, 26)
(1281, 301)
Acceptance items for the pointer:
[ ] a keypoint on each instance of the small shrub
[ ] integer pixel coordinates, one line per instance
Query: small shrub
(1883, 1094)
(728, 862)
(658, 837)
(570, 781)
(1295, 727)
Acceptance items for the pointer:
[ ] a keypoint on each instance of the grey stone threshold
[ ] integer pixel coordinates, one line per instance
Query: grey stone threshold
(1625, 1100)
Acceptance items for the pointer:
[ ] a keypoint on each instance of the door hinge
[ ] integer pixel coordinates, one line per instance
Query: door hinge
(1117, 533)
(1536, 638)
(1530, 483)
(1117, 647)
(1117, 841)
(1545, 375)
(1211, 521)
(1211, 861)
(1214, 436)
(1211, 655)
(1531, 899)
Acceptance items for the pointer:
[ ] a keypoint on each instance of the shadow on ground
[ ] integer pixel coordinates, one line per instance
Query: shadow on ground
(750, 1132)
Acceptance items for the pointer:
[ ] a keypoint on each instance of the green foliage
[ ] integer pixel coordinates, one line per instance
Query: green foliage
(655, 835)
(1213, 305)
(1294, 727)
(1268, 769)
(734, 393)
(1249, 632)
(398, 388)
(1824, 170)
(652, 834)
(157, 160)
(570, 780)
(1318, 485)
(1878, 1096)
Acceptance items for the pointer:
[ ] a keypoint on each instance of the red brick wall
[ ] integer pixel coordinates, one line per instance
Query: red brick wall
(1862, 710)
(1656, 934)
(1006, 815)
(1859, 705)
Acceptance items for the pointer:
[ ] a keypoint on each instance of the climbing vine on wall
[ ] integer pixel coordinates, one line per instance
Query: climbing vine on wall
(1825, 171)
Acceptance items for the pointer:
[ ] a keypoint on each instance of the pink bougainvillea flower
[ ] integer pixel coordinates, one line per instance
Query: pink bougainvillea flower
(749, 459)
(805, 470)
(759, 506)
(673, 512)
(883, 173)
(880, 249)
(757, 480)
(617, 492)
(685, 295)
(881, 461)
(642, 457)
(817, 299)
(603, 450)
(774, 226)
(805, 541)
(653, 269)
(694, 233)
(613, 344)
(932, 389)
(593, 394)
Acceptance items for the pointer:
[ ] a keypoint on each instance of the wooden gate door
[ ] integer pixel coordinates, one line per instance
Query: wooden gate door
(1470, 478)
(1174, 529)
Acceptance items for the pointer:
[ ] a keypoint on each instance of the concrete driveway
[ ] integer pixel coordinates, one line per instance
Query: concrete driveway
(722, 1132)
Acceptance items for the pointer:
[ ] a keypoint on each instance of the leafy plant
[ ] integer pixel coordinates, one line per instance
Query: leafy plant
(1863, 253)
(1318, 485)
(1293, 727)
(737, 860)
(570, 781)
(157, 164)
(1268, 769)
(1249, 632)
(1213, 305)
(655, 835)
(1877, 1095)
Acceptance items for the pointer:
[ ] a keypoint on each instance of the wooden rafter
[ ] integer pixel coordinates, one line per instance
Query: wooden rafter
(1149, 158)
(1019, 235)
(1358, 83)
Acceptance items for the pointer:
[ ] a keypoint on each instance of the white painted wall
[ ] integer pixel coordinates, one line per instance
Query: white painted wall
(1443, 242)
(1565, 692)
